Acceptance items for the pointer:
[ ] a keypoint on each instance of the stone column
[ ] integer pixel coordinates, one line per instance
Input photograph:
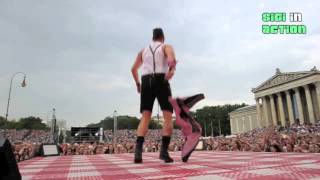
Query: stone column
(317, 84)
(290, 109)
(251, 123)
(259, 117)
(237, 125)
(281, 110)
(243, 125)
(309, 104)
(232, 126)
(265, 111)
(299, 103)
(273, 110)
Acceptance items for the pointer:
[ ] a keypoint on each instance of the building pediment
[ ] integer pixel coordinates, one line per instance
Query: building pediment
(281, 78)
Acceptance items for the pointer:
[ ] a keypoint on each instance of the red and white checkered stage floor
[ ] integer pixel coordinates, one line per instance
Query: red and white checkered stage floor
(202, 165)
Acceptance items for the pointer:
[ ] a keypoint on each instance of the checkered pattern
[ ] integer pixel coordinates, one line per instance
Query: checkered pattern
(202, 165)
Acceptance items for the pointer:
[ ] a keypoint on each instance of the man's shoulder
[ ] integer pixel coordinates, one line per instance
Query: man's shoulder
(167, 47)
(141, 51)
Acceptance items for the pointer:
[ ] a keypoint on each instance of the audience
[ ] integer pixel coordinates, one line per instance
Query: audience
(296, 138)
(125, 143)
(35, 136)
(25, 150)
(26, 143)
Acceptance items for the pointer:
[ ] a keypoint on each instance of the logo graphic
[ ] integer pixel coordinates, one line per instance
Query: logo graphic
(275, 26)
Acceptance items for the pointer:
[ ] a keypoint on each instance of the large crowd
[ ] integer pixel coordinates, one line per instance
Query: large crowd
(26, 143)
(296, 138)
(34, 136)
(124, 143)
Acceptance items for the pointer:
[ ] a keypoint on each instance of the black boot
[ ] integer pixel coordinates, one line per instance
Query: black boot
(164, 155)
(186, 157)
(138, 150)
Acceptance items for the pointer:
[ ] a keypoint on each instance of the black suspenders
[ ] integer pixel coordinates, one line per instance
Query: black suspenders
(154, 61)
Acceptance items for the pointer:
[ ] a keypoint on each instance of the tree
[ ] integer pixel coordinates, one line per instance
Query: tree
(123, 122)
(34, 123)
(3, 122)
(214, 114)
(154, 124)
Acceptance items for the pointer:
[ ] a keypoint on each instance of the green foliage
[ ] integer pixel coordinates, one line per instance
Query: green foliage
(154, 124)
(31, 123)
(34, 123)
(175, 126)
(7, 124)
(2, 121)
(212, 114)
(205, 116)
(124, 122)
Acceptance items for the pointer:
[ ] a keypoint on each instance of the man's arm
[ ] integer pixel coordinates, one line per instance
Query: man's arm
(171, 58)
(134, 70)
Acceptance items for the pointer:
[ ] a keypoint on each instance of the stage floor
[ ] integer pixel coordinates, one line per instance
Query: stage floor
(206, 165)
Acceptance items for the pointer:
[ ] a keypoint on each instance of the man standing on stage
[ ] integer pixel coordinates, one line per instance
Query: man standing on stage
(157, 62)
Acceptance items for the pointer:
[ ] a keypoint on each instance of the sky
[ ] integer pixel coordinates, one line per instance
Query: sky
(78, 54)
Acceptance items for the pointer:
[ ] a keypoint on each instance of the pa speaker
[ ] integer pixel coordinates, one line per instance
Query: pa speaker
(8, 166)
(49, 150)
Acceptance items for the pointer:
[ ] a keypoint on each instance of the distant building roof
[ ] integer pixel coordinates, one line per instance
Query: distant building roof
(284, 77)
(243, 109)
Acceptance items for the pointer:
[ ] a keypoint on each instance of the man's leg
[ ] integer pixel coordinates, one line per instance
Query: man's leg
(141, 132)
(144, 123)
(166, 136)
(167, 125)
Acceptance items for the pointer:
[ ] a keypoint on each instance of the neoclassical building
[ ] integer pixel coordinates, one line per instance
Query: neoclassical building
(285, 98)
